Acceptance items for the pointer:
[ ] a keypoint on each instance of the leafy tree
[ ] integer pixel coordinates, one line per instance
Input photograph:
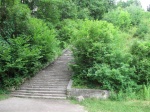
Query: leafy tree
(124, 4)
(119, 18)
(68, 9)
(48, 10)
(31, 3)
(96, 7)
(136, 13)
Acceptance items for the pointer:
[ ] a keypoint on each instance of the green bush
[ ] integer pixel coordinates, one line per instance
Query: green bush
(18, 59)
(65, 31)
(48, 10)
(141, 61)
(26, 45)
(136, 12)
(68, 9)
(92, 38)
(44, 39)
(104, 58)
(19, 14)
(119, 18)
(98, 60)
(142, 30)
(94, 9)
(14, 20)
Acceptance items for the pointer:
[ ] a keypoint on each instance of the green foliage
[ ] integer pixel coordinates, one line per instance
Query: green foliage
(119, 18)
(13, 20)
(91, 36)
(19, 14)
(144, 93)
(44, 39)
(136, 14)
(98, 60)
(84, 13)
(141, 53)
(111, 77)
(127, 3)
(104, 58)
(48, 10)
(26, 43)
(68, 9)
(18, 59)
(93, 8)
(142, 30)
(65, 31)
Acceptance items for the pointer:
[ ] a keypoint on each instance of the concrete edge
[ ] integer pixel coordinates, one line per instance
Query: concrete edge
(86, 93)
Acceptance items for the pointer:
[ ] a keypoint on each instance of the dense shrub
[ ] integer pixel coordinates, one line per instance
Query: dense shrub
(68, 9)
(26, 44)
(112, 78)
(142, 30)
(65, 30)
(18, 59)
(98, 60)
(93, 8)
(13, 20)
(104, 58)
(141, 52)
(119, 18)
(48, 10)
(43, 37)
(136, 12)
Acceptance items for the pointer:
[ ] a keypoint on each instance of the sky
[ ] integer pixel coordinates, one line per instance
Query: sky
(144, 3)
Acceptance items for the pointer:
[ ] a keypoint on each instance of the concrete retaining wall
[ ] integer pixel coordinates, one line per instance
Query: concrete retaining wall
(86, 93)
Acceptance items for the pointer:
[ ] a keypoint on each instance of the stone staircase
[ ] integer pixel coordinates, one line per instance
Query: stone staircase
(51, 82)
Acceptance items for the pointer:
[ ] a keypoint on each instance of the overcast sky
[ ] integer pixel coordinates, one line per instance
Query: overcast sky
(144, 3)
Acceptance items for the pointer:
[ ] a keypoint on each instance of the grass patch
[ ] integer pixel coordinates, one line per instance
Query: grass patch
(95, 105)
(3, 96)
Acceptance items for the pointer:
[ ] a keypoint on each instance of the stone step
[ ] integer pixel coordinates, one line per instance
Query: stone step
(43, 89)
(47, 83)
(40, 91)
(49, 80)
(52, 76)
(47, 74)
(46, 86)
(51, 70)
(43, 97)
(38, 94)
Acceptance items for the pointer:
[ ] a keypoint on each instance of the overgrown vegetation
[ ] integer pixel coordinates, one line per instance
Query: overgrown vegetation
(110, 42)
(114, 56)
(26, 43)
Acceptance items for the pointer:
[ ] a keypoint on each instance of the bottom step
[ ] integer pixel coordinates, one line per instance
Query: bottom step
(40, 97)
